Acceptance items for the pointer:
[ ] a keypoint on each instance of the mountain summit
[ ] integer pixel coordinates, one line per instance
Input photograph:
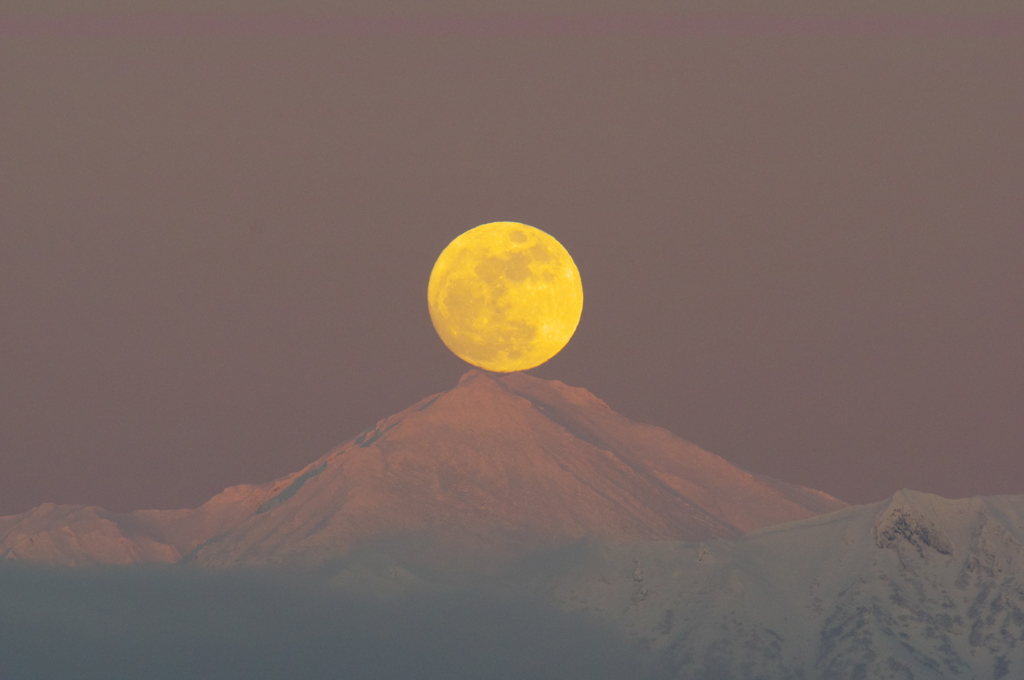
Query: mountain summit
(498, 464)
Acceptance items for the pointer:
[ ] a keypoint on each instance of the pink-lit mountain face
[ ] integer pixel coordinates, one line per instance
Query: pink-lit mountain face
(497, 465)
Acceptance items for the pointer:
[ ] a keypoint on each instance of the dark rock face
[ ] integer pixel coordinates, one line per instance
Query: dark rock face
(900, 525)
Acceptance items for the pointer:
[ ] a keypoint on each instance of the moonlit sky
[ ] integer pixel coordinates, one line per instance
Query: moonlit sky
(799, 231)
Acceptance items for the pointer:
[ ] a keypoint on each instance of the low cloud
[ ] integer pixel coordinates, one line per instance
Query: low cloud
(173, 622)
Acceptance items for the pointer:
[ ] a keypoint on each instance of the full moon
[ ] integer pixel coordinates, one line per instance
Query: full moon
(505, 296)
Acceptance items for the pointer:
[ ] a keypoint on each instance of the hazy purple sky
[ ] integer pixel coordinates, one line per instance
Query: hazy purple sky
(800, 235)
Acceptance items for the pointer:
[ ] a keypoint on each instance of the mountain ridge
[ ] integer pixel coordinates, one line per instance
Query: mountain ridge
(498, 463)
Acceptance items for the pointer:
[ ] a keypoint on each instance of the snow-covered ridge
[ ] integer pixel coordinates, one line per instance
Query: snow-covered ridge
(914, 587)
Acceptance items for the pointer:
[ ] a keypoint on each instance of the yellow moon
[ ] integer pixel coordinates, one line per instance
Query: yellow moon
(505, 296)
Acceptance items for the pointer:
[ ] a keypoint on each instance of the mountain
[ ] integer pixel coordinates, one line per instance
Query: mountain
(498, 465)
(76, 535)
(714, 572)
(914, 587)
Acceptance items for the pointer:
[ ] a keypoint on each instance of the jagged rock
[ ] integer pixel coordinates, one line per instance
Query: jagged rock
(902, 524)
